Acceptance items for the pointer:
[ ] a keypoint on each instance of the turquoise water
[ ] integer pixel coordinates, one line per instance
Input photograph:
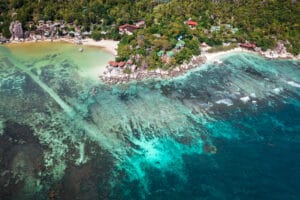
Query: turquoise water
(223, 131)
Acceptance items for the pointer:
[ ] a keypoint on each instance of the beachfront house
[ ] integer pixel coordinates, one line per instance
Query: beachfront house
(170, 54)
(72, 34)
(113, 64)
(204, 45)
(248, 45)
(121, 64)
(30, 24)
(215, 28)
(140, 24)
(127, 29)
(49, 23)
(41, 23)
(3, 39)
(129, 62)
(87, 33)
(160, 53)
(180, 44)
(234, 30)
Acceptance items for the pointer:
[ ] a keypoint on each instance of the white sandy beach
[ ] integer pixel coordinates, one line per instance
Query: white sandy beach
(109, 45)
(211, 57)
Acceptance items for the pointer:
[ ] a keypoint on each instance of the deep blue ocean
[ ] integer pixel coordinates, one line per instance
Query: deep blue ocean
(226, 130)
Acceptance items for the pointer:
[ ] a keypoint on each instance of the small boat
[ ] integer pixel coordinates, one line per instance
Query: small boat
(80, 49)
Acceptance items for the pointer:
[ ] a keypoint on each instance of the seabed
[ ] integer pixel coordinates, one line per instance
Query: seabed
(228, 129)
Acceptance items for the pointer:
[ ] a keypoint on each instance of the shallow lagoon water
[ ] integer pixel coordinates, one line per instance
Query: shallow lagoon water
(223, 131)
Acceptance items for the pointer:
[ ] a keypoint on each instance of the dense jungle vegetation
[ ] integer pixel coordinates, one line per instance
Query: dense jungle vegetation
(263, 22)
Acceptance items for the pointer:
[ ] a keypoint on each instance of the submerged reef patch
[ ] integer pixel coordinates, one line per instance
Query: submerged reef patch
(64, 136)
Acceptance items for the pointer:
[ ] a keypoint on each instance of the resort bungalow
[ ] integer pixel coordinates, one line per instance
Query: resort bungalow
(30, 24)
(170, 54)
(215, 28)
(129, 62)
(127, 29)
(38, 37)
(3, 40)
(47, 34)
(228, 26)
(56, 24)
(113, 64)
(191, 24)
(41, 23)
(180, 44)
(140, 24)
(72, 33)
(121, 64)
(76, 34)
(49, 22)
(248, 45)
(160, 53)
(167, 57)
(204, 45)
(234, 30)
(86, 33)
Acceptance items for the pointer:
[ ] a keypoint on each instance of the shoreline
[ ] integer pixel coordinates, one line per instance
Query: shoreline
(114, 76)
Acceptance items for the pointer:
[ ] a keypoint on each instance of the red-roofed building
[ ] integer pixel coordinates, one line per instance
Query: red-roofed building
(129, 62)
(191, 24)
(127, 28)
(121, 64)
(248, 45)
(203, 44)
(113, 63)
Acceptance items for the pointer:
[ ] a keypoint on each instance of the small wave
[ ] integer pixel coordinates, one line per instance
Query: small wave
(245, 99)
(294, 84)
(253, 95)
(227, 102)
(277, 90)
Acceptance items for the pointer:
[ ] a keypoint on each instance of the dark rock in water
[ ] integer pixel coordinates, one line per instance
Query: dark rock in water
(88, 181)
(21, 158)
(34, 71)
(65, 65)
(30, 86)
(252, 71)
(47, 73)
(16, 132)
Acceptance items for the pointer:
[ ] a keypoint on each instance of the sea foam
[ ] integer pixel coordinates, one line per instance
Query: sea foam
(227, 102)
(293, 83)
(245, 99)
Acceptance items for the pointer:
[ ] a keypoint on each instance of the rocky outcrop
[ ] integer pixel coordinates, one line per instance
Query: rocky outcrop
(116, 75)
(16, 30)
